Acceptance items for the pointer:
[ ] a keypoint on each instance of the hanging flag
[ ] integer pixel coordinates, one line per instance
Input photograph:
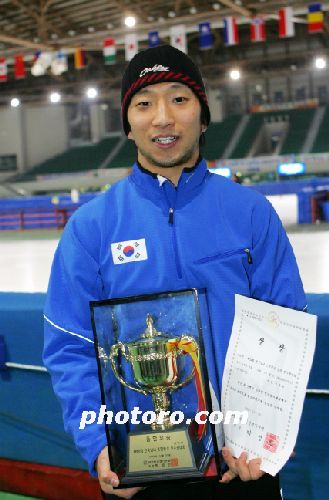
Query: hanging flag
(59, 63)
(42, 61)
(178, 37)
(257, 29)
(231, 34)
(286, 22)
(37, 68)
(109, 50)
(3, 70)
(154, 40)
(205, 36)
(79, 58)
(19, 66)
(315, 18)
(131, 46)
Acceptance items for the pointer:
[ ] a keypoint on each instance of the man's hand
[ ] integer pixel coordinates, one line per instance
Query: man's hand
(247, 471)
(108, 479)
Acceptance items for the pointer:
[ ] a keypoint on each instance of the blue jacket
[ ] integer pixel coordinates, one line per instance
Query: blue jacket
(207, 233)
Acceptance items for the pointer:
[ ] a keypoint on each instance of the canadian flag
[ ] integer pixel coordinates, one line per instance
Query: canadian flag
(131, 46)
(257, 30)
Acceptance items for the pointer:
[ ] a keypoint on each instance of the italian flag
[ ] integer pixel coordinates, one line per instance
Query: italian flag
(109, 50)
(286, 22)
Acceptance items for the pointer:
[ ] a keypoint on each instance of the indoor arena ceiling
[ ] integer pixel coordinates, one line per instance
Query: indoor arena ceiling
(27, 26)
(51, 24)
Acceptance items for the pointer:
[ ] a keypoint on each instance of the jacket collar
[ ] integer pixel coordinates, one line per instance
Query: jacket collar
(189, 179)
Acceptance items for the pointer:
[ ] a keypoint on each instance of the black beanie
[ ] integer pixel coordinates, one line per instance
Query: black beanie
(156, 65)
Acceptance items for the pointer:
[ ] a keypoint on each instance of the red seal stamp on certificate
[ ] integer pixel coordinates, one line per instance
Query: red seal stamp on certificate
(271, 442)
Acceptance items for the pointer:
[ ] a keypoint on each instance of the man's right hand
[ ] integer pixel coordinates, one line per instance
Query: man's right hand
(108, 480)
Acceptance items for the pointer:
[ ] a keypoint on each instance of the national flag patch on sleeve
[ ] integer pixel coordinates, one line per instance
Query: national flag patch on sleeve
(129, 251)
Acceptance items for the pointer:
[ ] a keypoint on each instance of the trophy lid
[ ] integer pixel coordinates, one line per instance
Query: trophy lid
(151, 332)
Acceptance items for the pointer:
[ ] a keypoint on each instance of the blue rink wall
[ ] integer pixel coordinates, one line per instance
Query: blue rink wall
(31, 427)
(46, 212)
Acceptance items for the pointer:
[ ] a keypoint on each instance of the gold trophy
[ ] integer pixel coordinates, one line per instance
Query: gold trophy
(154, 362)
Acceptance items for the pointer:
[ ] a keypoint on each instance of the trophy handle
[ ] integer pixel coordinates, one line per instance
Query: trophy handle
(183, 342)
(113, 354)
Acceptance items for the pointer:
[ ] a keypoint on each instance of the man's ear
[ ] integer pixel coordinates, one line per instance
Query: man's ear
(130, 135)
(203, 128)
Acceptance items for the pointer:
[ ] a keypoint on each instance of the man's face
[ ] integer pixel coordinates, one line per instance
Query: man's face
(165, 125)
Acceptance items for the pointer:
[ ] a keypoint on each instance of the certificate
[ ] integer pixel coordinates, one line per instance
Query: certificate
(266, 372)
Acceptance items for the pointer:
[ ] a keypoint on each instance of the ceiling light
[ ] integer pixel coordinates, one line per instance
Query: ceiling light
(130, 21)
(91, 29)
(193, 10)
(15, 102)
(71, 32)
(235, 74)
(55, 97)
(171, 13)
(216, 6)
(320, 63)
(91, 92)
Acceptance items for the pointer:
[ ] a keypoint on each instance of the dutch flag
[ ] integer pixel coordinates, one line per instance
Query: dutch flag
(231, 35)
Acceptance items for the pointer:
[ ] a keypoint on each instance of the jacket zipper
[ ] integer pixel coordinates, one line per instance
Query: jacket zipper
(247, 250)
(228, 254)
(174, 242)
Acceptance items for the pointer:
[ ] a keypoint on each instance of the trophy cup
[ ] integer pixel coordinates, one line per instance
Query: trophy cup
(154, 362)
(163, 375)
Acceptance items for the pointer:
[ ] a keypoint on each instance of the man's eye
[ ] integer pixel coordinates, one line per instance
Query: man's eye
(143, 104)
(180, 99)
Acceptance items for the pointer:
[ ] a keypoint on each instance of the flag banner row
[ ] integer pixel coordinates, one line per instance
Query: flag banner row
(57, 62)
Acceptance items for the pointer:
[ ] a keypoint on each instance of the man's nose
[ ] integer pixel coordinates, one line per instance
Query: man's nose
(162, 115)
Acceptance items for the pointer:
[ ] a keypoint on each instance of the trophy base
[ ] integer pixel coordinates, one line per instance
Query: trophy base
(162, 455)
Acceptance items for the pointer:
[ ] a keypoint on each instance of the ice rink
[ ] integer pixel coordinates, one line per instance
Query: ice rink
(25, 259)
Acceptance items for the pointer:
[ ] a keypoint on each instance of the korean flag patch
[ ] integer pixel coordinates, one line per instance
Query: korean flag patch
(129, 251)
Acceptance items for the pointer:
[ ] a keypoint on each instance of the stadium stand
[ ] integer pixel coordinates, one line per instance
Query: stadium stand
(218, 136)
(321, 143)
(248, 136)
(77, 159)
(299, 124)
(125, 157)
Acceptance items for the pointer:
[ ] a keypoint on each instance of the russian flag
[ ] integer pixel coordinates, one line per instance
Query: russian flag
(257, 30)
(231, 35)
(286, 22)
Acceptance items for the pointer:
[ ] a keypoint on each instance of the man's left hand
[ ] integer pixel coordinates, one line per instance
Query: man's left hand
(239, 467)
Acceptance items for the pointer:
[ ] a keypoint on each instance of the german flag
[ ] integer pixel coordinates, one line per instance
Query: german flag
(79, 58)
(315, 18)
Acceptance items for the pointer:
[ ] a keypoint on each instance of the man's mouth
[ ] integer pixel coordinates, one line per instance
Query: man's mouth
(165, 140)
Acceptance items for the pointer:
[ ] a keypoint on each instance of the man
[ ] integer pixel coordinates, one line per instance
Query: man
(196, 230)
